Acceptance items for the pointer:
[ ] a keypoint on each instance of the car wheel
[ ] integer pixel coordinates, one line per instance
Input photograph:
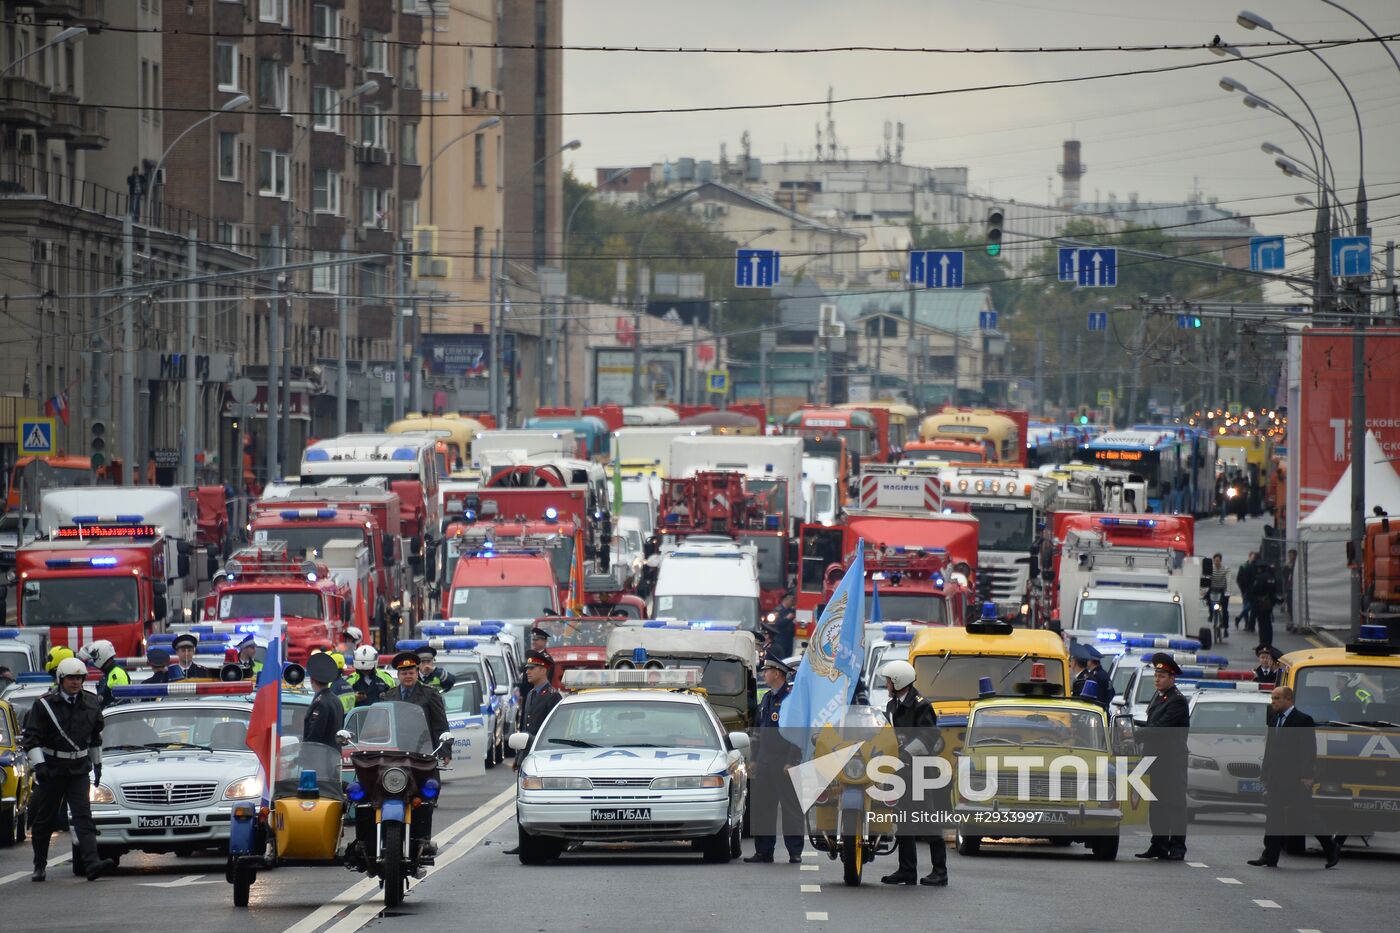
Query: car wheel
(736, 842)
(716, 848)
(969, 845)
(535, 850)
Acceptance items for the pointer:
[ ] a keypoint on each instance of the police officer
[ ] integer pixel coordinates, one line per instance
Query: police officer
(63, 739)
(104, 658)
(411, 690)
(442, 681)
(539, 641)
(247, 651)
(185, 645)
(1168, 720)
(353, 639)
(774, 797)
(1079, 667)
(541, 696)
(369, 684)
(1092, 671)
(326, 715)
(56, 655)
(916, 727)
(1268, 670)
(341, 685)
(162, 671)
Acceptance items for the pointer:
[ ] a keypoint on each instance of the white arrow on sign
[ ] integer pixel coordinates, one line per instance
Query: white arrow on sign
(1098, 272)
(943, 276)
(185, 882)
(753, 269)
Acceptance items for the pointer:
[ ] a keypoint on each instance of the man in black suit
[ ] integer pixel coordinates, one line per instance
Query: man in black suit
(1289, 766)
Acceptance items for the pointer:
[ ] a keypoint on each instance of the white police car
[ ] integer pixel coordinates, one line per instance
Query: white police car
(172, 772)
(631, 756)
(1225, 748)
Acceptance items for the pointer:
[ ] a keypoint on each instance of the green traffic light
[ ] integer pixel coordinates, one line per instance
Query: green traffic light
(993, 249)
(1083, 419)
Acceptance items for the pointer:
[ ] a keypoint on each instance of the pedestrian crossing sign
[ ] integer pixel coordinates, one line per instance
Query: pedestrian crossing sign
(36, 437)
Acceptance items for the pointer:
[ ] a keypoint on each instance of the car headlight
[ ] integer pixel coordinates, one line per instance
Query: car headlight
(530, 782)
(855, 769)
(1202, 764)
(394, 780)
(250, 786)
(688, 782)
(101, 794)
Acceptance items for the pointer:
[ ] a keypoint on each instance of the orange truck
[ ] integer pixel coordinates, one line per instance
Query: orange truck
(314, 604)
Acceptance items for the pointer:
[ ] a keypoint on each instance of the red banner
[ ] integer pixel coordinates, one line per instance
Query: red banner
(1322, 427)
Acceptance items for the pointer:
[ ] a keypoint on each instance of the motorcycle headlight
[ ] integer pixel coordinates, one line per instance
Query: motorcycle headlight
(101, 794)
(688, 782)
(855, 769)
(394, 780)
(250, 786)
(1202, 764)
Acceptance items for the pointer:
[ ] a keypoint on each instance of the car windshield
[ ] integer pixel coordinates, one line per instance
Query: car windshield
(955, 677)
(641, 511)
(305, 541)
(879, 654)
(1037, 725)
(636, 724)
(920, 607)
(1229, 718)
(569, 633)
(1350, 693)
(501, 602)
(1131, 615)
(221, 729)
(772, 559)
(297, 758)
(822, 499)
(80, 600)
(258, 604)
(1122, 673)
(499, 668)
(1001, 530)
(740, 609)
(392, 725)
(16, 660)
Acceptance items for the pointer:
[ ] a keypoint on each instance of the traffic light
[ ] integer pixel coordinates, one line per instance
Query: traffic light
(97, 444)
(1084, 415)
(994, 218)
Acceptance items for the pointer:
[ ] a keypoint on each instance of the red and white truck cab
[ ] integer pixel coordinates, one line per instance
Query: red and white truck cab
(315, 605)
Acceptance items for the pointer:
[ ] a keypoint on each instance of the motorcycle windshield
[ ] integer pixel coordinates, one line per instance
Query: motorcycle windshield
(297, 759)
(390, 726)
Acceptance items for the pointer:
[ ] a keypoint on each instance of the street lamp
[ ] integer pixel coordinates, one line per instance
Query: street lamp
(72, 32)
(567, 147)
(232, 104)
(428, 169)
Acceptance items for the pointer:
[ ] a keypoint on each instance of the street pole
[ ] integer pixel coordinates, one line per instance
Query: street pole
(128, 420)
(342, 361)
(493, 370)
(398, 330)
(637, 334)
(286, 406)
(1362, 306)
(191, 324)
(1139, 340)
(1039, 373)
(1078, 372)
(274, 340)
(415, 376)
(696, 381)
(719, 350)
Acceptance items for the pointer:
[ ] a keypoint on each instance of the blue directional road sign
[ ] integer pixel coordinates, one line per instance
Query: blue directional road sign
(1351, 257)
(1069, 263)
(944, 268)
(917, 260)
(36, 437)
(1098, 268)
(756, 268)
(1266, 253)
(986, 320)
(1098, 320)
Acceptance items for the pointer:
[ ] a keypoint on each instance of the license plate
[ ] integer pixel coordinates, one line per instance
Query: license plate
(1251, 787)
(619, 814)
(168, 821)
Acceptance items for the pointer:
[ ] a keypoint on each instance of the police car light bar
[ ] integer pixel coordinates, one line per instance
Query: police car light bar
(440, 644)
(153, 691)
(9, 633)
(1112, 521)
(1209, 673)
(167, 638)
(65, 563)
(294, 514)
(665, 678)
(683, 625)
(899, 637)
(475, 628)
(1169, 644)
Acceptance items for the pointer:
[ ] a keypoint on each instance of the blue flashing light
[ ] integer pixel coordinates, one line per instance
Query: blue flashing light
(85, 519)
(485, 628)
(13, 633)
(469, 516)
(772, 522)
(355, 791)
(34, 677)
(103, 561)
(1170, 644)
(984, 688)
(1110, 634)
(442, 644)
(894, 628)
(164, 638)
(307, 784)
(1089, 690)
(654, 623)
(938, 580)
(598, 515)
(989, 611)
(1113, 521)
(430, 789)
(1374, 634)
(317, 456)
(713, 627)
(639, 655)
(130, 519)
(899, 637)
(551, 515)
(404, 453)
(673, 518)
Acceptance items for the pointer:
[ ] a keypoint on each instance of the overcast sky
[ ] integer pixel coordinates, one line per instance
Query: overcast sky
(1158, 136)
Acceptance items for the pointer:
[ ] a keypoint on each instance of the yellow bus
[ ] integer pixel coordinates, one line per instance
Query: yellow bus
(978, 424)
(456, 432)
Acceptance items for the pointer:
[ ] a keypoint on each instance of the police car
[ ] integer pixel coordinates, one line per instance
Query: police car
(462, 658)
(631, 756)
(1196, 667)
(172, 771)
(1229, 722)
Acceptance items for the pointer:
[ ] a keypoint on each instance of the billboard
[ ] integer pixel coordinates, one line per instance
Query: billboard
(1322, 426)
(457, 354)
(662, 376)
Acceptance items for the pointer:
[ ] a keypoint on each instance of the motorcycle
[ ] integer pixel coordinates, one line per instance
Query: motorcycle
(845, 822)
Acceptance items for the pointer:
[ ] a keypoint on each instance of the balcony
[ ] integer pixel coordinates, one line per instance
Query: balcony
(83, 126)
(25, 102)
(69, 11)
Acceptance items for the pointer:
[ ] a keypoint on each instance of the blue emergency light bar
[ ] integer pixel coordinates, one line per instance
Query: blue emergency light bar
(1112, 521)
(66, 563)
(118, 519)
(294, 514)
(484, 628)
(213, 638)
(1145, 641)
(1109, 634)
(679, 625)
(34, 677)
(1379, 634)
(404, 453)
(899, 637)
(154, 691)
(441, 644)
(9, 633)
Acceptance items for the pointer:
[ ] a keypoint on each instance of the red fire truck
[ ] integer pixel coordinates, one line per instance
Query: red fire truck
(914, 583)
(315, 605)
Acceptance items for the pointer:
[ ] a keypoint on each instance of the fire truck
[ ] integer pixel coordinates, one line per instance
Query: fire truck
(315, 605)
(914, 583)
(723, 503)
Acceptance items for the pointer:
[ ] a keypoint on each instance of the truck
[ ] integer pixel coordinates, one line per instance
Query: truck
(645, 450)
(708, 579)
(914, 583)
(315, 605)
(764, 462)
(505, 583)
(506, 446)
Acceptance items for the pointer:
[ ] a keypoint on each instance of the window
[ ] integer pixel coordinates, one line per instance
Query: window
(273, 169)
(272, 84)
(145, 91)
(478, 160)
(274, 11)
(374, 51)
(408, 216)
(372, 127)
(228, 157)
(408, 143)
(325, 26)
(325, 105)
(408, 67)
(156, 91)
(224, 233)
(226, 66)
(324, 278)
(325, 191)
(478, 242)
(374, 207)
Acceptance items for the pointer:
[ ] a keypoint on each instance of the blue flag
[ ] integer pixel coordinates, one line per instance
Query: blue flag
(826, 678)
(875, 603)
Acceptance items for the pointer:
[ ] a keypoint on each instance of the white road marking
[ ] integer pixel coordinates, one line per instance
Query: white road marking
(1309, 931)
(811, 889)
(1229, 881)
(1272, 905)
(1198, 864)
(811, 854)
(15, 876)
(809, 867)
(816, 915)
(319, 917)
(184, 882)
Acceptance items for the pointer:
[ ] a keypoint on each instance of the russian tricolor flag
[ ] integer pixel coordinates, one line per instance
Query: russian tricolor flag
(264, 725)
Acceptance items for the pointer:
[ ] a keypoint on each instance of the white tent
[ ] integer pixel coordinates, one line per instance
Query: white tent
(1323, 579)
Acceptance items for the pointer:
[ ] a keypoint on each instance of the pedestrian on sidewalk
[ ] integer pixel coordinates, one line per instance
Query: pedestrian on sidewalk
(1261, 603)
(1290, 759)
(1244, 579)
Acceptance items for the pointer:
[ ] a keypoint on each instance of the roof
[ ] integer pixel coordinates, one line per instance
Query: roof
(758, 201)
(665, 695)
(1040, 642)
(950, 311)
(1191, 220)
(1325, 656)
(1132, 438)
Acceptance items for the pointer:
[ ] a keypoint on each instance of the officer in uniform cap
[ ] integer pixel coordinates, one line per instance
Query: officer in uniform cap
(541, 697)
(1090, 672)
(1079, 664)
(410, 690)
(185, 645)
(1168, 720)
(774, 796)
(247, 648)
(441, 681)
(162, 671)
(326, 715)
(539, 641)
(1268, 670)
